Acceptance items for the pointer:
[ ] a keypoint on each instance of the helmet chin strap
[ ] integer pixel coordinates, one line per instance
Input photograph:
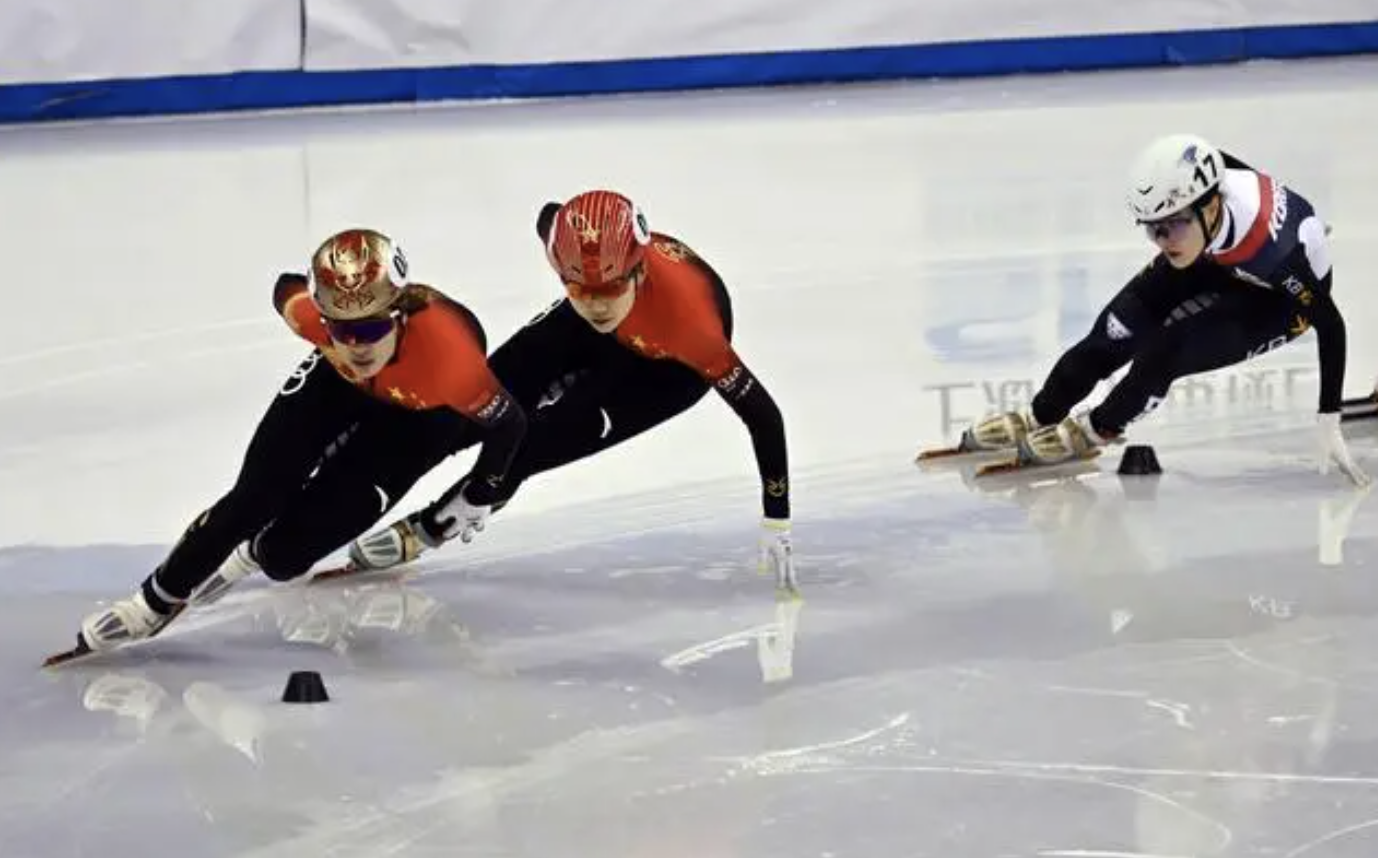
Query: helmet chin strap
(1199, 209)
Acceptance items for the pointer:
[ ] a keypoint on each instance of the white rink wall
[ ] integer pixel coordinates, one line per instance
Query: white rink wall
(46, 41)
(64, 59)
(347, 34)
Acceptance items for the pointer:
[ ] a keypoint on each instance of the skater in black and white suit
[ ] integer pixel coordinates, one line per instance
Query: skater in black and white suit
(1243, 268)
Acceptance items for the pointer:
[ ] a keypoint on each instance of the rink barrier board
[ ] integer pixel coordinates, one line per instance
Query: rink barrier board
(40, 102)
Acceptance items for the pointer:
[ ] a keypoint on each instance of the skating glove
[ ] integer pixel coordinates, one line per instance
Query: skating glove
(1333, 450)
(777, 553)
(457, 517)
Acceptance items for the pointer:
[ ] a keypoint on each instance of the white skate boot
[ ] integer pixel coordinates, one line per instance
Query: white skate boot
(238, 566)
(400, 542)
(1002, 431)
(125, 621)
(1071, 439)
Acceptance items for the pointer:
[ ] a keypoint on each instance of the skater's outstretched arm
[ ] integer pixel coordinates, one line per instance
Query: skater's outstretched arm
(748, 397)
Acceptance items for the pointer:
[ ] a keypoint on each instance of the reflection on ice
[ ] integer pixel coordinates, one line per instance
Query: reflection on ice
(1045, 645)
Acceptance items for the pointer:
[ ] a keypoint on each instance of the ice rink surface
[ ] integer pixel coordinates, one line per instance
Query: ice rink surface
(1076, 665)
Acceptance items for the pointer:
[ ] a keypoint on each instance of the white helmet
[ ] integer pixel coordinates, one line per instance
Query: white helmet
(1171, 174)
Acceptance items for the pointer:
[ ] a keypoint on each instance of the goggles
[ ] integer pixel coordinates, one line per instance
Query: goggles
(359, 332)
(1170, 228)
(607, 289)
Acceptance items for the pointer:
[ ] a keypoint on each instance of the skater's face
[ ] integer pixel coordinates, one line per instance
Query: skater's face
(605, 312)
(366, 346)
(607, 305)
(1183, 237)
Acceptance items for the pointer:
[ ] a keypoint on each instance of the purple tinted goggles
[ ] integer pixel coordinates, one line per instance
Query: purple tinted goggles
(1170, 228)
(359, 332)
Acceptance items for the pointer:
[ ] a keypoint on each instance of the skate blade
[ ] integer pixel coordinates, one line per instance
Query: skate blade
(352, 572)
(932, 453)
(957, 453)
(1012, 465)
(81, 651)
(348, 570)
(950, 460)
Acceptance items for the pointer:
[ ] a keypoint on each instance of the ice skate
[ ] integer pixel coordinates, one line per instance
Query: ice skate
(238, 566)
(400, 542)
(1068, 441)
(993, 433)
(126, 621)
(123, 622)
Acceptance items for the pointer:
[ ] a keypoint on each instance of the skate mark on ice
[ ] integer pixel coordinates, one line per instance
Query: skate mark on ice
(677, 569)
(1331, 837)
(1178, 711)
(776, 762)
(1096, 692)
(1223, 832)
(458, 798)
(1289, 672)
(1198, 774)
(1176, 708)
(1102, 853)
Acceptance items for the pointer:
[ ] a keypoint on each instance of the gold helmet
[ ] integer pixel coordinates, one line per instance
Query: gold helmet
(356, 274)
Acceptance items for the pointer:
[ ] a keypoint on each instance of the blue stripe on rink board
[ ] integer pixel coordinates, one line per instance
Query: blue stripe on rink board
(295, 88)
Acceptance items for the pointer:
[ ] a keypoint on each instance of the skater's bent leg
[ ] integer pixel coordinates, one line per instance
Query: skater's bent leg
(1142, 389)
(1083, 366)
(1135, 315)
(356, 487)
(599, 413)
(314, 408)
(332, 513)
(1229, 331)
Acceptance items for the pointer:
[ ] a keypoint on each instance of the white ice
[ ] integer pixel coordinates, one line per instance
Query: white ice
(1078, 665)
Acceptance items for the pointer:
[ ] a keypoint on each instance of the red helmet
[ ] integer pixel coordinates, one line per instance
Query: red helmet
(356, 274)
(598, 237)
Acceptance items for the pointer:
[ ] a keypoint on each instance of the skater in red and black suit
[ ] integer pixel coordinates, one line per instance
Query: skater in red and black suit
(644, 331)
(397, 377)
